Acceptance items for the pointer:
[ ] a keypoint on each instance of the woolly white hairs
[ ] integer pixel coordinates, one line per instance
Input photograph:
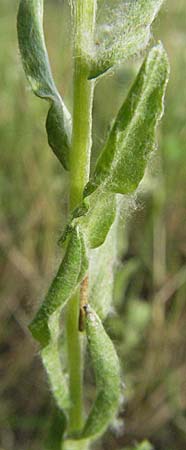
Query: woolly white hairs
(123, 30)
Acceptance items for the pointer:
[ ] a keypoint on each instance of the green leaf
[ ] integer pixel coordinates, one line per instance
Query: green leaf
(84, 258)
(100, 215)
(101, 274)
(123, 161)
(145, 445)
(107, 372)
(64, 284)
(123, 31)
(57, 427)
(74, 444)
(94, 217)
(53, 356)
(59, 130)
(37, 69)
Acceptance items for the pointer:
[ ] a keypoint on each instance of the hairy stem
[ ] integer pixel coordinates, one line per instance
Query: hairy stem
(84, 18)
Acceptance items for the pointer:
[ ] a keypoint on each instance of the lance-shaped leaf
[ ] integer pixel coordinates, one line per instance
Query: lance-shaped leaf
(94, 217)
(100, 215)
(145, 445)
(107, 372)
(123, 31)
(37, 69)
(101, 274)
(66, 281)
(53, 358)
(57, 428)
(122, 163)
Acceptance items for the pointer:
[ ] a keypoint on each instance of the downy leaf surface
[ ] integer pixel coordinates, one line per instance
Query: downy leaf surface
(107, 372)
(101, 274)
(37, 69)
(123, 161)
(53, 357)
(100, 215)
(56, 430)
(94, 217)
(71, 272)
(123, 31)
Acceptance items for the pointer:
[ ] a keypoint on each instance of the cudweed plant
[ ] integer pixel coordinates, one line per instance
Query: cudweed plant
(82, 288)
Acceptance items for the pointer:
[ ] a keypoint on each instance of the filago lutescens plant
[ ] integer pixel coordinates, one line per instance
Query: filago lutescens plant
(82, 287)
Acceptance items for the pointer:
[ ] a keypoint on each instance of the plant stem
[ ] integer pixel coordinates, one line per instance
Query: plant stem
(84, 18)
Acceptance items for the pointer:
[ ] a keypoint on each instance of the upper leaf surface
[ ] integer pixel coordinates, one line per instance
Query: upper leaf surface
(96, 223)
(53, 359)
(70, 273)
(101, 274)
(37, 68)
(122, 163)
(107, 372)
(123, 31)
(94, 217)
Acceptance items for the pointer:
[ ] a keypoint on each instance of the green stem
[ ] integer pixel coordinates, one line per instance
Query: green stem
(84, 19)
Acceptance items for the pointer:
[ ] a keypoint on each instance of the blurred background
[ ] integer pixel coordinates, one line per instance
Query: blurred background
(149, 322)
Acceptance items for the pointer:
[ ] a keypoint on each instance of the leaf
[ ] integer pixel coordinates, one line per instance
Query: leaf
(101, 274)
(107, 372)
(37, 69)
(53, 357)
(57, 427)
(62, 287)
(123, 31)
(84, 258)
(74, 444)
(94, 217)
(123, 161)
(145, 445)
(100, 215)
(59, 130)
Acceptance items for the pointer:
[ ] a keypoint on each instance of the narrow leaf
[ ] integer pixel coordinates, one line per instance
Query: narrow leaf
(145, 445)
(96, 223)
(94, 217)
(62, 287)
(57, 428)
(37, 69)
(53, 359)
(123, 161)
(107, 372)
(101, 274)
(84, 259)
(123, 31)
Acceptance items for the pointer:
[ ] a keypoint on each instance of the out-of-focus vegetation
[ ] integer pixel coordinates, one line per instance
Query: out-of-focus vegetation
(148, 325)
